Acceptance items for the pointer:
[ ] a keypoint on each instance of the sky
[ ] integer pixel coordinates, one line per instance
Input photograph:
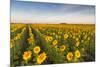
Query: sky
(54, 13)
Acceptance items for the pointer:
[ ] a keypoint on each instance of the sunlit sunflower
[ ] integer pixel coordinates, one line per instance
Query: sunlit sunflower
(12, 30)
(48, 38)
(27, 55)
(11, 43)
(69, 56)
(53, 33)
(17, 37)
(85, 36)
(82, 41)
(65, 36)
(77, 43)
(30, 40)
(88, 38)
(36, 49)
(82, 49)
(77, 39)
(41, 58)
(62, 48)
(59, 32)
(55, 42)
(77, 54)
(74, 37)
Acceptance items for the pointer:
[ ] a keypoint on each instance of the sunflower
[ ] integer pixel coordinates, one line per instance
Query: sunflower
(48, 38)
(77, 43)
(41, 58)
(77, 54)
(53, 33)
(85, 36)
(88, 38)
(73, 36)
(30, 40)
(36, 49)
(55, 42)
(31, 35)
(11, 43)
(82, 41)
(17, 37)
(12, 30)
(69, 56)
(82, 49)
(62, 48)
(77, 39)
(65, 36)
(27, 55)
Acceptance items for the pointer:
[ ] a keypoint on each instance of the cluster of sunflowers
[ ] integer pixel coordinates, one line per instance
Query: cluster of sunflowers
(35, 44)
(33, 49)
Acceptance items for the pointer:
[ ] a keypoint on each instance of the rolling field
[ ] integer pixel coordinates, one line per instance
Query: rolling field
(36, 44)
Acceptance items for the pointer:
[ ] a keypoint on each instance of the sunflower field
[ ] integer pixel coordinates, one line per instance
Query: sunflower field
(37, 44)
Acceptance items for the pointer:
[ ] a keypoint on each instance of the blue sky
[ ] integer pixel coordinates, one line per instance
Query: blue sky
(36, 12)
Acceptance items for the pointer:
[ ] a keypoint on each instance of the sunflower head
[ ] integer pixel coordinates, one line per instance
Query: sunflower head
(77, 43)
(41, 58)
(65, 36)
(30, 40)
(88, 38)
(36, 49)
(69, 56)
(73, 36)
(27, 55)
(82, 41)
(11, 43)
(18, 36)
(77, 54)
(77, 39)
(55, 42)
(62, 48)
(48, 38)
